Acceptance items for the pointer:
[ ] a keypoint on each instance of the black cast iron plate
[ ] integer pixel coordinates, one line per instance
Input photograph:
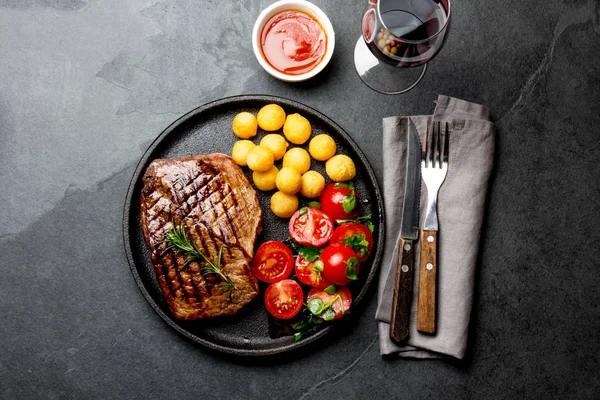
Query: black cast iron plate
(205, 130)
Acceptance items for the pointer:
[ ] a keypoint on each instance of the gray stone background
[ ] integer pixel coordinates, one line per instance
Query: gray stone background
(85, 86)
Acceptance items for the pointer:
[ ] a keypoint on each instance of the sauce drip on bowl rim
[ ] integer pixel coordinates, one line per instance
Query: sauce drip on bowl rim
(293, 42)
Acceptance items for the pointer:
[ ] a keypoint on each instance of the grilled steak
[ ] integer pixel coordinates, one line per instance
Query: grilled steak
(212, 198)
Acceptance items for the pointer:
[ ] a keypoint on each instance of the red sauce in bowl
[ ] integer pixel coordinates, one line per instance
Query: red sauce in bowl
(293, 42)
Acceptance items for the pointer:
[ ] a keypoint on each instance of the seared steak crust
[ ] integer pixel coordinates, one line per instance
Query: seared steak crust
(212, 198)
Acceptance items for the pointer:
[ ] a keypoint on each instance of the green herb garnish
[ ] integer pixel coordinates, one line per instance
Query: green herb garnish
(328, 314)
(291, 244)
(309, 321)
(360, 220)
(315, 306)
(352, 266)
(349, 202)
(331, 289)
(314, 204)
(347, 185)
(315, 312)
(359, 244)
(310, 254)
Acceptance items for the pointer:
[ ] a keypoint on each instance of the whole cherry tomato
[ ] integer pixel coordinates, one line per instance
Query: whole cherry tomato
(357, 236)
(340, 201)
(340, 264)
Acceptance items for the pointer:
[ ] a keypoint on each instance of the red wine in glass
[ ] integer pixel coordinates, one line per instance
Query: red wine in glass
(400, 33)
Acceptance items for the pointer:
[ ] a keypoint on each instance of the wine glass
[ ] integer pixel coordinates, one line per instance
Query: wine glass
(398, 38)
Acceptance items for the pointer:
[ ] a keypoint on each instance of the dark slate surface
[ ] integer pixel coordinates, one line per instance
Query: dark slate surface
(86, 85)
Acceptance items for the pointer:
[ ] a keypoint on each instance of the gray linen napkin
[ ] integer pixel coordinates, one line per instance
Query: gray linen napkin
(461, 201)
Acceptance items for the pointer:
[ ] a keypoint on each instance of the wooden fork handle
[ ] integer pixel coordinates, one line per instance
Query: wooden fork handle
(426, 307)
(400, 320)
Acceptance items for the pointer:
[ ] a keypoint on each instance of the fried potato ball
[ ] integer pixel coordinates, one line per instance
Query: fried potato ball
(271, 117)
(284, 205)
(265, 180)
(298, 159)
(260, 159)
(244, 125)
(340, 168)
(297, 129)
(288, 180)
(313, 184)
(276, 143)
(322, 147)
(240, 150)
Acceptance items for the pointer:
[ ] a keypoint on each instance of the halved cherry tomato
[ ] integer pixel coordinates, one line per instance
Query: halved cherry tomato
(340, 201)
(340, 264)
(306, 273)
(339, 302)
(310, 227)
(272, 262)
(357, 236)
(283, 299)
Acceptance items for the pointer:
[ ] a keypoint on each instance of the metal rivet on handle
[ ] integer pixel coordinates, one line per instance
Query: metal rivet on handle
(407, 247)
(429, 266)
(405, 268)
(430, 238)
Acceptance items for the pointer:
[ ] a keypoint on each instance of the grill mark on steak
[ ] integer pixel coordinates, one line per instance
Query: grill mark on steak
(173, 276)
(185, 275)
(173, 279)
(174, 272)
(228, 230)
(206, 246)
(212, 188)
(227, 227)
(212, 197)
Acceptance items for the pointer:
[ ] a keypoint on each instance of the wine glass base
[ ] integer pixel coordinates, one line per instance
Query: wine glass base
(382, 77)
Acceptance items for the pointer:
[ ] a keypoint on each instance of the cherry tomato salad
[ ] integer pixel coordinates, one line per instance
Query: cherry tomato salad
(330, 241)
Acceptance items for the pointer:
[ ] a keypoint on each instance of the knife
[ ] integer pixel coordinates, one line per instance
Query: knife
(409, 232)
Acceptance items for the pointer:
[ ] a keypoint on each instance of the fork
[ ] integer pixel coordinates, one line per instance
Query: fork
(434, 166)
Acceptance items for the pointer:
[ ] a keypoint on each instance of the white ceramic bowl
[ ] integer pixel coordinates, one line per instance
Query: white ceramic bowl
(300, 5)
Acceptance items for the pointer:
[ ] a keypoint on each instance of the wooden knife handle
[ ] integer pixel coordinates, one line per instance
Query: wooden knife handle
(400, 320)
(426, 306)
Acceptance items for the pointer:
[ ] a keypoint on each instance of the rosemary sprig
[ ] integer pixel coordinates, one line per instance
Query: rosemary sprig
(215, 269)
(176, 240)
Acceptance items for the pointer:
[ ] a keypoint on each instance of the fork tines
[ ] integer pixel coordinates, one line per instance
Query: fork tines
(435, 144)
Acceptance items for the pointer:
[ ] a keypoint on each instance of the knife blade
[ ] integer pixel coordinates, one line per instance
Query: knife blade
(409, 232)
